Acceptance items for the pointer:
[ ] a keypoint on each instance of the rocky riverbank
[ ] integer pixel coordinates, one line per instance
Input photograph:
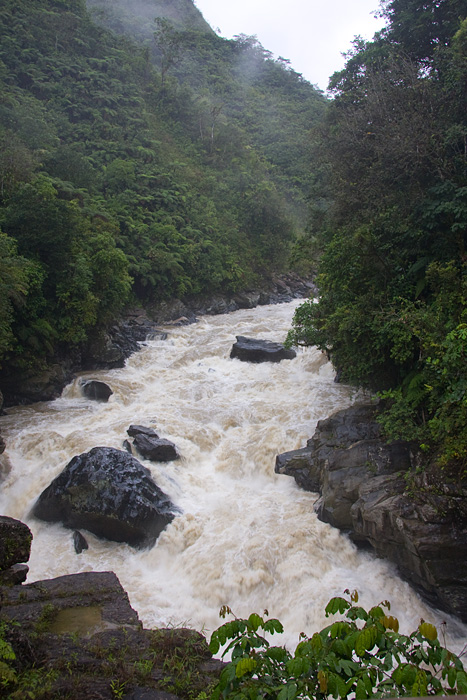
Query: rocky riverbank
(110, 349)
(382, 497)
(78, 637)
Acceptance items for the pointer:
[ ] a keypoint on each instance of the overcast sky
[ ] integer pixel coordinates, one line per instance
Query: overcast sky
(311, 33)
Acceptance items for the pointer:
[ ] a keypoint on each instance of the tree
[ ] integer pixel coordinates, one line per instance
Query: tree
(360, 656)
(169, 42)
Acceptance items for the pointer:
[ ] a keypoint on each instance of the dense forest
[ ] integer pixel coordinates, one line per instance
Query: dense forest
(392, 313)
(139, 161)
(143, 158)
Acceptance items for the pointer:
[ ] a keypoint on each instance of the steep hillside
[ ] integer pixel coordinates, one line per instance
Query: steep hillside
(155, 170)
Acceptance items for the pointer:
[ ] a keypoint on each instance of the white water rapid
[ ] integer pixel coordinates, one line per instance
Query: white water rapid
(247, 537)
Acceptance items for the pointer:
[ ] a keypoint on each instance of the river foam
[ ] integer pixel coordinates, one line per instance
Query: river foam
(247, 537)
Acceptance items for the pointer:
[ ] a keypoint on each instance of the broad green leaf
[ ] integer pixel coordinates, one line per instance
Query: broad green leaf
(297, 666)
(245, 665)
(391, 623)
(323, 681)
(428, 631)
(420, 686)
(277, 654)
(288, 692)
(214, 645)
(461, 682)
(338, 629)
(337, 605)
(255, 621)
(272, 626)
(316, 642)
(366, 640)
(360, 691)
(376, 612)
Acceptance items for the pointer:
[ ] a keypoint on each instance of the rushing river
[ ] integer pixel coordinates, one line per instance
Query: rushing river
(247, 537)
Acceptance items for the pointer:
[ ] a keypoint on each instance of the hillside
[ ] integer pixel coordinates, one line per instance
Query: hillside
(164, 163)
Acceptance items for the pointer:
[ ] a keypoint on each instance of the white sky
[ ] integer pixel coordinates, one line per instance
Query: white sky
(313, 34)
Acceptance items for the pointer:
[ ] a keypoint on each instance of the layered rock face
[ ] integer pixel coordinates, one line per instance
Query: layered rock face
(15, 549)
(82, 629)
(364, 493)
(109, 493)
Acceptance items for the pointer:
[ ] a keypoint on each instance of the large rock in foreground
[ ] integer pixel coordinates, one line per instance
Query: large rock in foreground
(109, 493)
(81, 639)
(252, 350)
(423, 529)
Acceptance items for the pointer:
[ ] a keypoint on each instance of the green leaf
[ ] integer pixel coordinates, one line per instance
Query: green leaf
(272, 626)
(366, 640)
(255, 621)
(277, 654)
(245, 665)
(288, 692)
(316, 642)
(428, 631)
(461, 682)
(337, 605)
(360, 691)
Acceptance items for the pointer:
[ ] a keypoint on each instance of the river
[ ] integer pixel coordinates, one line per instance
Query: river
(247, 537)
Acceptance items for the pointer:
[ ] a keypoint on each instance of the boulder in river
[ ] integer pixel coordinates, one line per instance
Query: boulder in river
(135, 430)
(96, 391)
(253, 350)
(80, 542)
(155, 448)
(109, 493)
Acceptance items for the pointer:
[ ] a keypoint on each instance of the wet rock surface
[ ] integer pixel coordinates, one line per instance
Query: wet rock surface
(82, 635)
(96, 390)
(150, 445)
(422, 529)
(254, 350)
(109, 493)
(156, 449)
(15, 549)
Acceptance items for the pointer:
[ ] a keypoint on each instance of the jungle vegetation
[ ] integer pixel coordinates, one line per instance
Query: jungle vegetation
(392, 311)
(139, 161)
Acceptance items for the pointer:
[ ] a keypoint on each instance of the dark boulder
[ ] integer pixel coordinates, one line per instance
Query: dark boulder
(252, 350)
(15, 542)
(135, 430)
(79, 541)
(155, 448)
(109, 493)
(15, 547)
(96, 391)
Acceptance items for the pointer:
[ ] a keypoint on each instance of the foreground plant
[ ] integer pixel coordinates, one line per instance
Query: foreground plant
(361, 656)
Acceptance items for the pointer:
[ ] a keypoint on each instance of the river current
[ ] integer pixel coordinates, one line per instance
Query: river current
(247, 538)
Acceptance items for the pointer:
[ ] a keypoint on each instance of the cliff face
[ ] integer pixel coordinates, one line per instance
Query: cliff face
(372, 491)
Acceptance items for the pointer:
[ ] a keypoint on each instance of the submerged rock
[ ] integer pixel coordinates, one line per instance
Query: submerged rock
(252, 350)
(109, 493)
(364, 493)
